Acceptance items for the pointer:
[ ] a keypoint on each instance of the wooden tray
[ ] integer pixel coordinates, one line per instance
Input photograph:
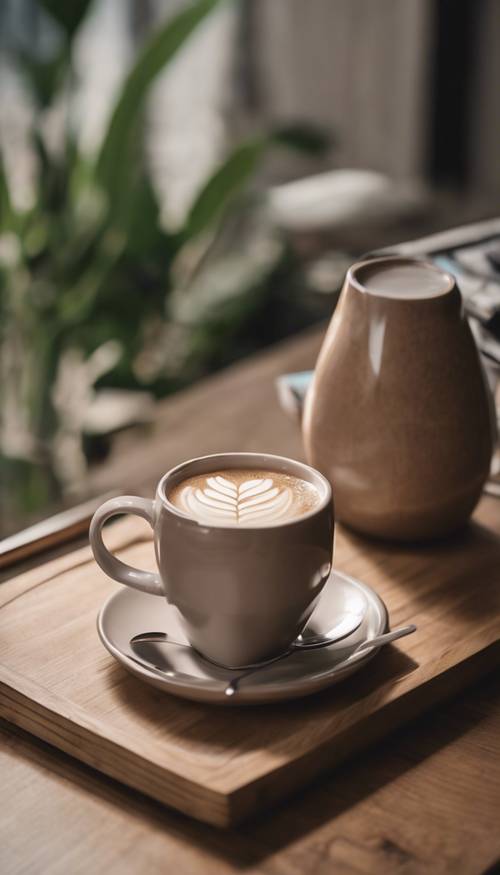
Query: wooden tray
(222, 765)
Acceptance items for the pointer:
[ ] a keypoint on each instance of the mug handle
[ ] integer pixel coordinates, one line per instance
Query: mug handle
(146, 581)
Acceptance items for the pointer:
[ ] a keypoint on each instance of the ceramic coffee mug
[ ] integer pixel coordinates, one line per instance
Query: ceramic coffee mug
(244, 593)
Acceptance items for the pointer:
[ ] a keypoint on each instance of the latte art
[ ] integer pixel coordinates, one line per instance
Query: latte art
(237, 504)
(244, 498)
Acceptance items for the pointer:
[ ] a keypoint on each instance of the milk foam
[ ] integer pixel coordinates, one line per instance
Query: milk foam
(412, 280)
(244, 498)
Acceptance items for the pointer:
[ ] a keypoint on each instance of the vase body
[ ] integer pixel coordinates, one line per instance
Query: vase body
(399, 416)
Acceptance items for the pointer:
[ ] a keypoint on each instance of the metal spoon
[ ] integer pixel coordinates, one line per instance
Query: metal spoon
(344, 626)
(231, 689)
(378, 641)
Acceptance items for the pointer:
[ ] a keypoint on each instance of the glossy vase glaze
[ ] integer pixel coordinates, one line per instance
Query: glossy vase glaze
(399, 416)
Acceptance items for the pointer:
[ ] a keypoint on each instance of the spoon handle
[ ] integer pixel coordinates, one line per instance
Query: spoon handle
(386, 638)
(233, 684)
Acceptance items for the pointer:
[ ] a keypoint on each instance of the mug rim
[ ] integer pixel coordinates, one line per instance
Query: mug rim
(352, 278)
(316, 475)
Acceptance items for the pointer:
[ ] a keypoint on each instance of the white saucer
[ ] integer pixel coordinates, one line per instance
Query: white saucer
(186, 674)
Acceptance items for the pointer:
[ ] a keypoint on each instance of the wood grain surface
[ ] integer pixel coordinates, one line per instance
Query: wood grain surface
(426, 800)
(423, 802)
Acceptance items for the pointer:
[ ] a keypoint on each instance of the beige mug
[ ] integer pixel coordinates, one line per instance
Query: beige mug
(244, 593)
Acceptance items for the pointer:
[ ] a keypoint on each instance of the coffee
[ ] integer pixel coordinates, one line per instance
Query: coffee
(244, 497)
(410, 280)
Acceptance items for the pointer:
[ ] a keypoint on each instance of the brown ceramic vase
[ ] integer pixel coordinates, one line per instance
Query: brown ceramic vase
(399, 416)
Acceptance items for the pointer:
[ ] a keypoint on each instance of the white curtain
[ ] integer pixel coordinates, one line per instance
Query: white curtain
(359, 67)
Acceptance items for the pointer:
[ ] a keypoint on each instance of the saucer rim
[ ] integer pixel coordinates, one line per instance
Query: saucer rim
(212, 691)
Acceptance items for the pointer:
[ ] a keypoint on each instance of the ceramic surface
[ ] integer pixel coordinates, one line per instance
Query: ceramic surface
(128, 613)
(399, 416)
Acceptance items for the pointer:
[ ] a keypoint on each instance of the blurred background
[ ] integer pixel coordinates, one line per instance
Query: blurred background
(184, 183)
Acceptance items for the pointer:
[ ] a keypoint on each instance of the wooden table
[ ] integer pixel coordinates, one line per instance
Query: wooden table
(425, 800)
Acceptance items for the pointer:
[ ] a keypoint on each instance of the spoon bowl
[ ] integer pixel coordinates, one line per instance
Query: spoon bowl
(345, 625)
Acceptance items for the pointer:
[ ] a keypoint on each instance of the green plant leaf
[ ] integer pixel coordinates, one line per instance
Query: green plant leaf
(234, 174)
(67, 13)
(43, 78)
(6, 211)
(52, 176)
(76, 305)
(308, 138)
(145, 236)
(112, 165)
(229, 179)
